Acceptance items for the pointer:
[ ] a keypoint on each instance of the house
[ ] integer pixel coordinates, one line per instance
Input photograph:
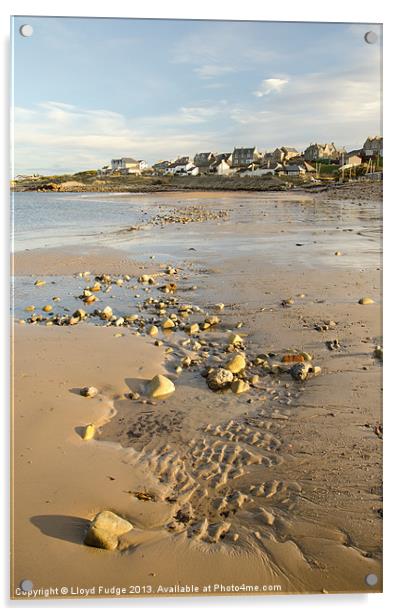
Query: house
(181, 166)
(202, 160)
(293, 170)
(245, 156)
(143, 165)
(222, 164)
(284, 154)
(160, 167)
(373, 146)
(326, 151)
(353, 158)
(126, 165)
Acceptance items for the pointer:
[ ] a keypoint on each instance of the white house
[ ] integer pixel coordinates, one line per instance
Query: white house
(126, 165)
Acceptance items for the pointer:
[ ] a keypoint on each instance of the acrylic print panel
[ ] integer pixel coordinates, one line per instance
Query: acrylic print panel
(197, 308)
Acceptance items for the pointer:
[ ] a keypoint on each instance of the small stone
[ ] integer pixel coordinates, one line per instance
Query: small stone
(39, 283)
(212, 320)
(239, 387)
(80, 313)
(193, 328)
(119, 321)
(289, 359)
(219, 379)
(96, 287)
(56, 298)
(88, 392)
(338, 253)
(29, 308)
(106, 314)
(235, 339)
(160, 386)
(89, 432)
(236, 363)
(300, 371)
(152, 331)
(378, 352)
(167, 324)
(90, 299)
(47, 308)
(254, 379)
(130, 318)
(219, 307)
(365, 301)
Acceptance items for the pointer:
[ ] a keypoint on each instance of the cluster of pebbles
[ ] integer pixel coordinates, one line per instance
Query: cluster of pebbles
(195, 338)
(176, 216)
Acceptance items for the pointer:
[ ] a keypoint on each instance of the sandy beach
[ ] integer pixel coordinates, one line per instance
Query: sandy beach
(278, 488)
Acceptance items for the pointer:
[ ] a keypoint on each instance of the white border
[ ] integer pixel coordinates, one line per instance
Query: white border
(367, 11)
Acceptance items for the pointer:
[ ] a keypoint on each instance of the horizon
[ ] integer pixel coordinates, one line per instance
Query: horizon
(159, 89)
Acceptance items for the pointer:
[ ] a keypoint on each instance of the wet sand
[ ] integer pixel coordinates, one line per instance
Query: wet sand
(278, 486)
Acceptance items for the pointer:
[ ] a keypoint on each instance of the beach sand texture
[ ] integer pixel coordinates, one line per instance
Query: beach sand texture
(280, 485)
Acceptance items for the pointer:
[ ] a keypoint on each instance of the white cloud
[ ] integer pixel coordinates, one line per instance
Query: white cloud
(269, 86)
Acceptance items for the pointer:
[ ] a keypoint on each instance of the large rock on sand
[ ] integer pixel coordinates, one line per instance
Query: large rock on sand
(160, 386)
(105, 530)
(219, 379)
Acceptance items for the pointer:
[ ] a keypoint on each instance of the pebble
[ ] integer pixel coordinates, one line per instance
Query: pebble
(378, 352)
(89, 432)
(239, 386)
(365, 301)
(29, 308)
(39, 283)
(235, 339)
(160, 386)
(236, 363)
(152, 330)
(88, 392)
(106, 314)
(219, 378)
(167, 324)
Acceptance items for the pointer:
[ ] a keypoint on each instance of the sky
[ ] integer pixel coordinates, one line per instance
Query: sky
(88, 90)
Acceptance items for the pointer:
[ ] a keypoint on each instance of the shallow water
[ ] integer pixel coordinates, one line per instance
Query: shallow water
(283, 228)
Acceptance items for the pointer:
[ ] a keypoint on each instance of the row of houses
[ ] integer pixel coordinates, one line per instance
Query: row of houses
(284, 160)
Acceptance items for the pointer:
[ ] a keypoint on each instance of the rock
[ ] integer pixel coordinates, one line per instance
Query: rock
(96, 287)
(288, 302)
(236, 363)
(90, 299)
(119, 321)
(338, 253)
(167, 324)
(89, 432)
(300, 371)
(105, 530)
(106, 314)
(254, 379)
(316, 370)
(88, 392)
(47, 308)
(39, 283)
(219, 307)
(365, 301)
(193, 328)
(29, 308)
(72, 321)
(152, 331)
(235, 339)
(212, 320)
(146, 279)
(378, 352)
(160, 386)
(79, 314)
(333, 345)
(219, 378)
(289, 359)
(56, 298)
(130, 318)
(239, 387)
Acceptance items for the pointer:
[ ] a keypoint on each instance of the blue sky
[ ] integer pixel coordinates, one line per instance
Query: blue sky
(88, 90)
